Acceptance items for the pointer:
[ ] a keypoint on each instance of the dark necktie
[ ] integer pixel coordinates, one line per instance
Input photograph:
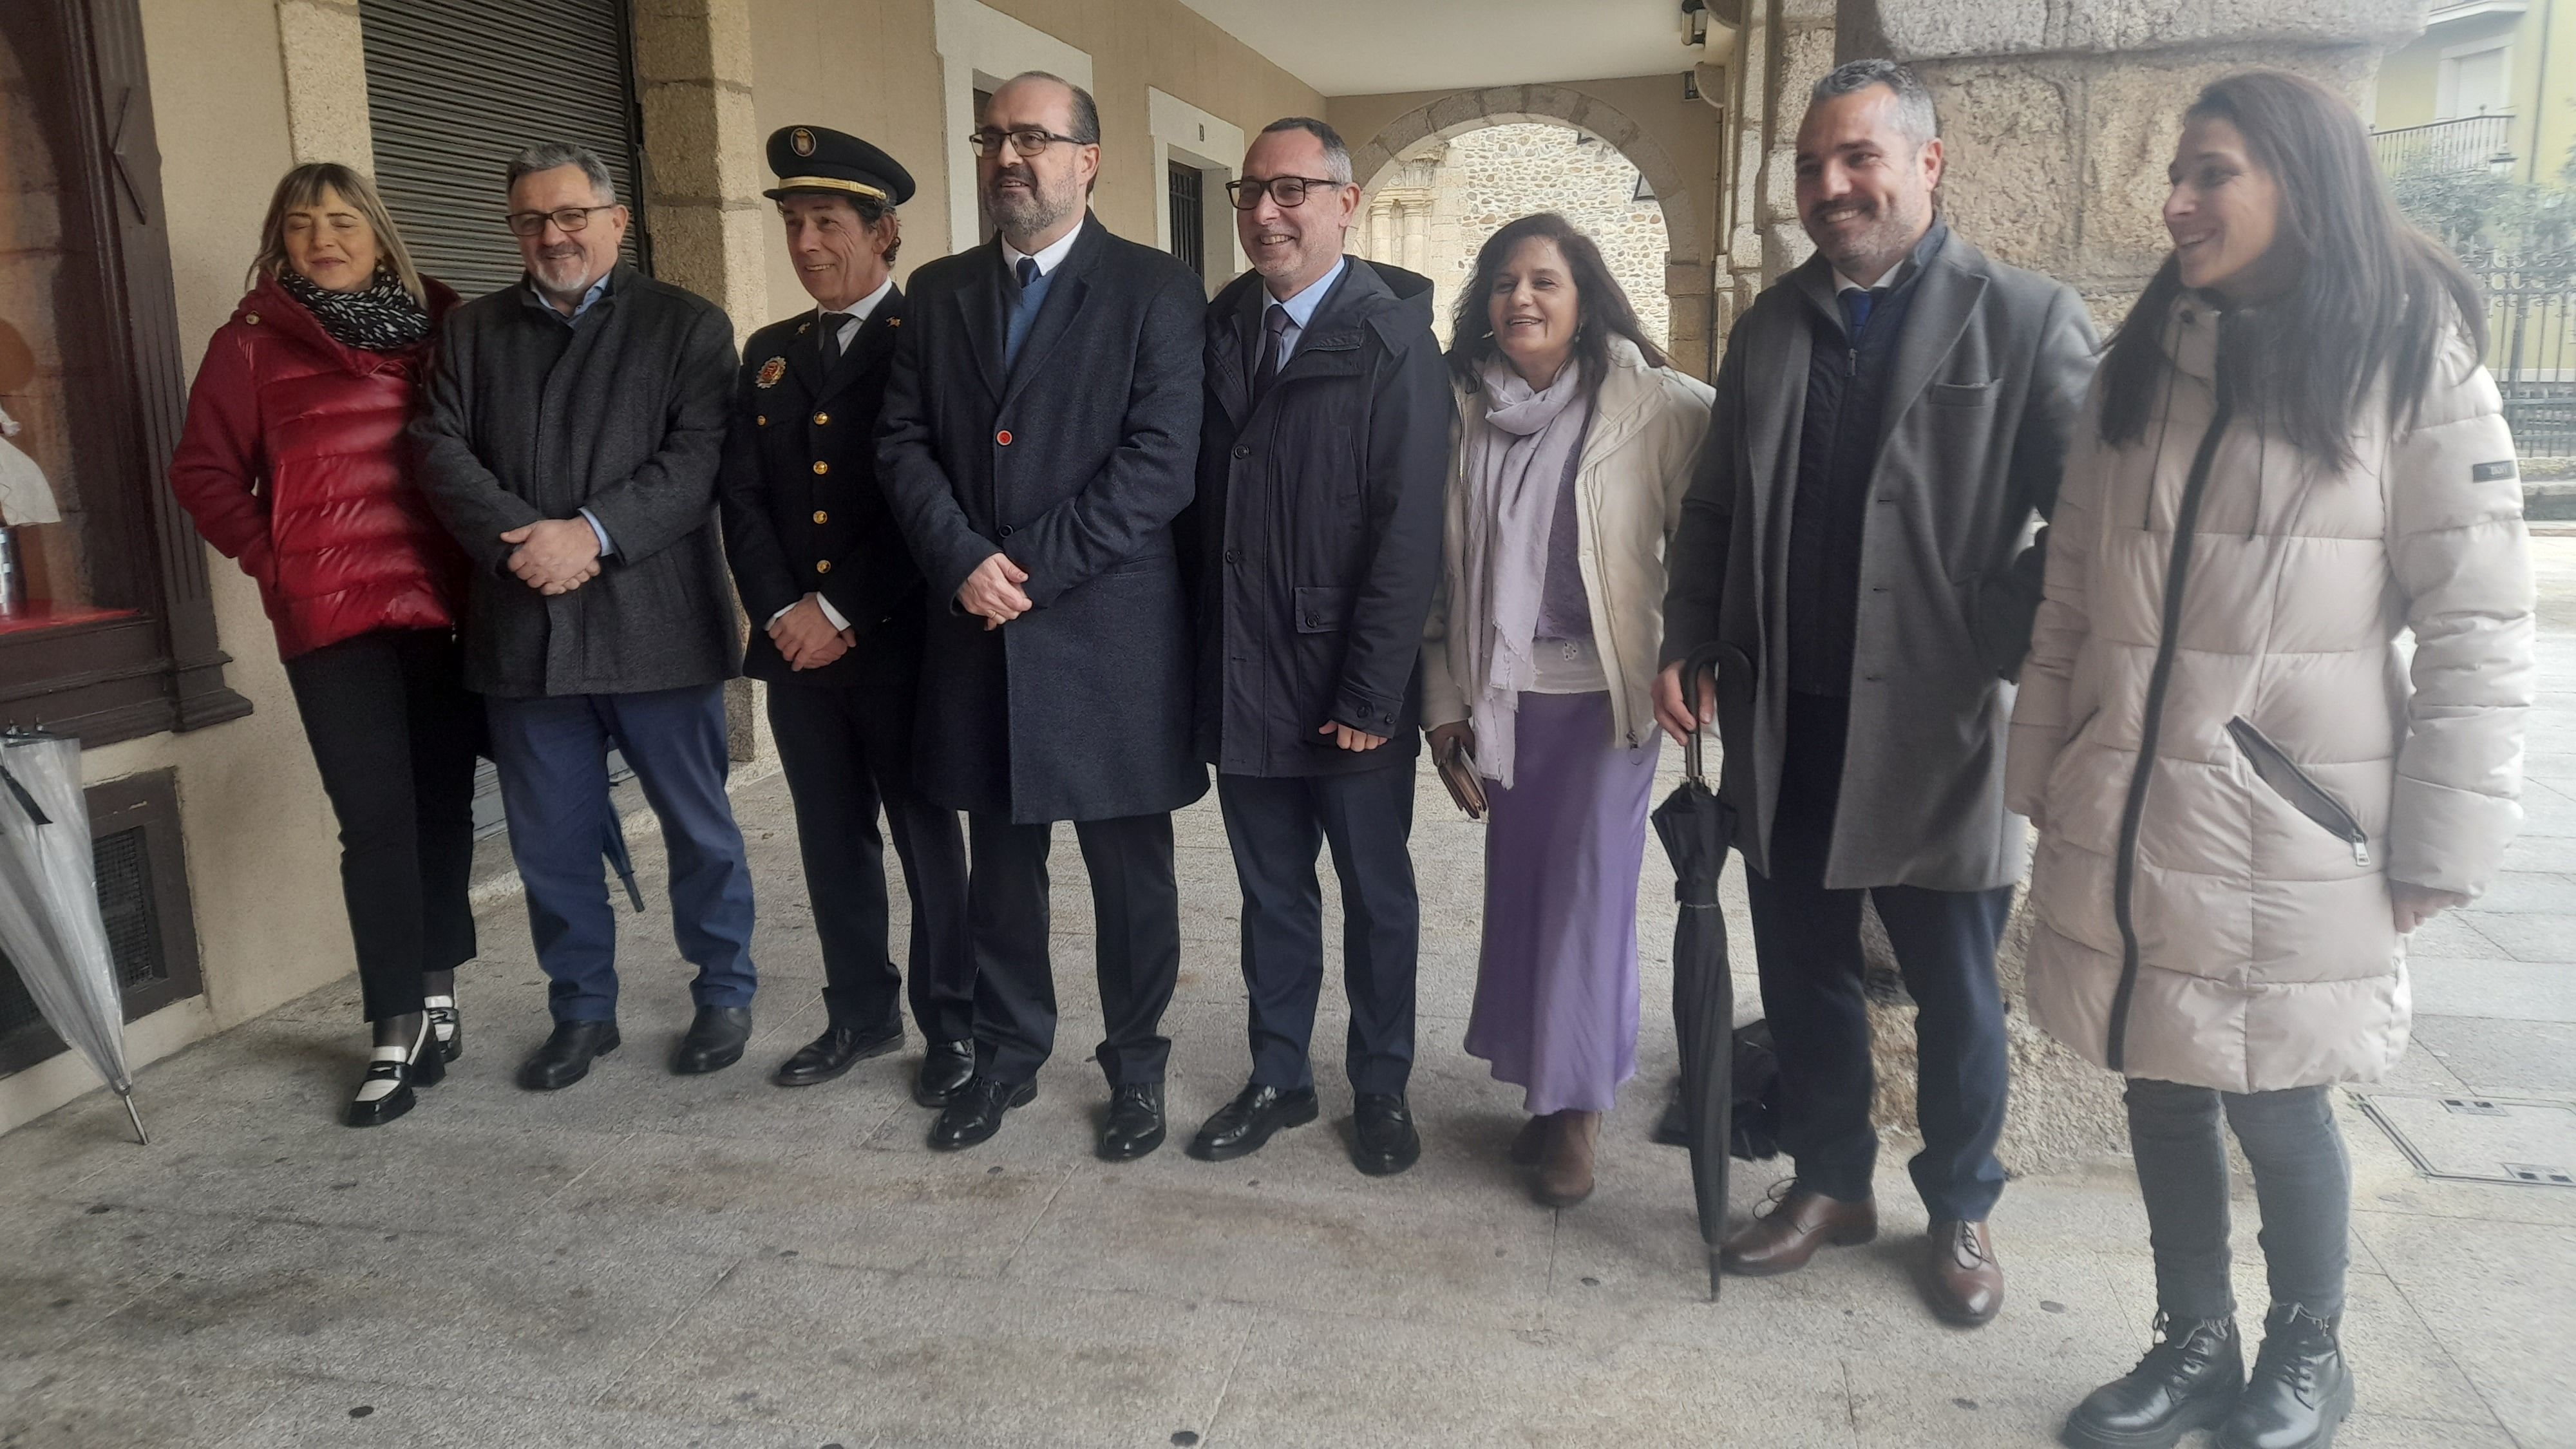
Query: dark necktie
(1024, 311)
(1857, 302)
(832, 323)
(1274, 327)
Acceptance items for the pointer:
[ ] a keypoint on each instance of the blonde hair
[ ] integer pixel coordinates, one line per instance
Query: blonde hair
(305, 187)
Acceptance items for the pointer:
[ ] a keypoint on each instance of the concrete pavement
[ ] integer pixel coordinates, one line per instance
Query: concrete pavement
(648, 1260)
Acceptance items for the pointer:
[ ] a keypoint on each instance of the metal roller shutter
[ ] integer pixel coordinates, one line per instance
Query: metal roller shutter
(455, 88)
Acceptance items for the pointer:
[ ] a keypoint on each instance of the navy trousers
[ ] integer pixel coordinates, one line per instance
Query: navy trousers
(1807, 940)
(1276, 827)
(846, 751)
(554, 787)
(1136, 943)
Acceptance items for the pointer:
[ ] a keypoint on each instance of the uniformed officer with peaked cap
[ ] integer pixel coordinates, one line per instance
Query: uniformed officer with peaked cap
(837, 603)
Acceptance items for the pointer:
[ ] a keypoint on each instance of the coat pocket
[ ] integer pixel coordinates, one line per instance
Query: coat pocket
(2278, 770)
(1960, 394)
(1322, 610)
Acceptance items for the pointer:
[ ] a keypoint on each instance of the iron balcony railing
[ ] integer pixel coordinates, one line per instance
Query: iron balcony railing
(2470, 143)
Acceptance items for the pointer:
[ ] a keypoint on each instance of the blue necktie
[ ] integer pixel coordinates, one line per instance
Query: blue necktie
(1024, 313)
(1856, 304)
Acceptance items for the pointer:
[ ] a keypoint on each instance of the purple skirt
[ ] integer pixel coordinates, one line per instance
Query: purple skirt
(1556, 985)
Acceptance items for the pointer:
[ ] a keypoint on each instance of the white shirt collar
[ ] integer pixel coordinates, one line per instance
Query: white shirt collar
(860, 311)
(1049, 259)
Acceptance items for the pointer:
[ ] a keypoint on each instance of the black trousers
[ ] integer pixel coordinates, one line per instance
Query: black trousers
(395, 734)
(846, 751)
(1276, 826)
(1136, 904)
(2302, 1184)
(1807, 940)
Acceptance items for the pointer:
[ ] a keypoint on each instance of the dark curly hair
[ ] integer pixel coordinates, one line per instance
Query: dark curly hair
(1602, 308)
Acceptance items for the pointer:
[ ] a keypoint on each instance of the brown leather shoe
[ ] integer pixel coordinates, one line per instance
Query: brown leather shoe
(1565, 1169)
(1783, 1239)
(1531, 1144)
(1962, 1279)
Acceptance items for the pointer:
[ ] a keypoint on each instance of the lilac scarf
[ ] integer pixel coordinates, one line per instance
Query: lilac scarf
(1516, 463)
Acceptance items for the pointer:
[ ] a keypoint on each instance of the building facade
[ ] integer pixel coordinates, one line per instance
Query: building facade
(2484, 88)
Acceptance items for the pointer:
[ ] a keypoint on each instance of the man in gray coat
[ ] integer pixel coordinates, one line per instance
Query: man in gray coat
(570, 443)
(1855, 560)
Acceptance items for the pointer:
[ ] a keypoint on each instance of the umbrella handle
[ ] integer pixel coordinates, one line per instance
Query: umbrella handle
(1705, 657)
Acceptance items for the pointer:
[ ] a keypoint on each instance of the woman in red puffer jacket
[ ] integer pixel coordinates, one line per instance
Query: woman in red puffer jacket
(293, 462)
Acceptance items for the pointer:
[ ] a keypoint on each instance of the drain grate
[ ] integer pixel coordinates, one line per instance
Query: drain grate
(2480, 1139)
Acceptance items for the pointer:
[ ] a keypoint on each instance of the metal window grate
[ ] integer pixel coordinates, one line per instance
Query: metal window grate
(133, 929)
(1189, 218)
(452, 95)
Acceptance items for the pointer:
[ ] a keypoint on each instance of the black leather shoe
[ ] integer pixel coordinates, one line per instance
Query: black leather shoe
(1241, 1126)
(840, 1047)
(975, 1113)
(1134, 1126)
(1383, 1141)
(945, 1070)
(566, 1056)
(2188, 1381)
(714, 1042)
(2301, 1389)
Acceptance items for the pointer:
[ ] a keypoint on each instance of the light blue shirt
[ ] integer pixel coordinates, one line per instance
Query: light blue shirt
(1301, 309)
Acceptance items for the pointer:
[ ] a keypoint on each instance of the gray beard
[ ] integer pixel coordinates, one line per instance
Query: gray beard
(1027, 213)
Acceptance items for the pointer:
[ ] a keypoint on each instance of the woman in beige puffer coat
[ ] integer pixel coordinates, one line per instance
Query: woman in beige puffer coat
(2248, 789)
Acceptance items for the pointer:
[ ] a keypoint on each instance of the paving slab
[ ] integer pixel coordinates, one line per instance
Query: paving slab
(2503, 989)
(127, 1401)
(919, 1358)
(2503, 1058)
(354, 1414)
(2496, 1297)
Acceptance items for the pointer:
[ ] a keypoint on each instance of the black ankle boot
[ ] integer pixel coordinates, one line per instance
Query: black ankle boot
(2302, 1388)
(2188, 1380)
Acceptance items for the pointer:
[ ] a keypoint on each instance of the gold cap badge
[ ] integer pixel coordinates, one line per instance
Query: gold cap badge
(802, 140)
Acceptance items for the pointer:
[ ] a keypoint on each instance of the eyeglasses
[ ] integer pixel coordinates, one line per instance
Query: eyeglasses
(1027, 140)
(569, 218)
(1286, 190)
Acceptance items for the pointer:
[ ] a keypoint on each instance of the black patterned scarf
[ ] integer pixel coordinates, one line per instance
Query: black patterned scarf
(380, 319)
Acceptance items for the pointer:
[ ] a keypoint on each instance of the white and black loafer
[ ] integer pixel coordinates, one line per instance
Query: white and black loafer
(449, 1027)
(386, 1091)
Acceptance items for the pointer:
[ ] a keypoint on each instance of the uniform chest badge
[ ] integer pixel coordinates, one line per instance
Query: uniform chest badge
(771, 371)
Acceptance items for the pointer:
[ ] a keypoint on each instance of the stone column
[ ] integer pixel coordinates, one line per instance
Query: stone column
(703, 175)
(1801, 50)
(2060, 117)
(325, 53)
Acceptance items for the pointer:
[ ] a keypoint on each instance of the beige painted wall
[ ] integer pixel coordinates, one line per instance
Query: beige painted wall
(263, 859)
(872, 68)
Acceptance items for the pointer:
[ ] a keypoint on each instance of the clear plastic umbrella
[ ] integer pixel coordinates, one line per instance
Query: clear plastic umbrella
(49, 921)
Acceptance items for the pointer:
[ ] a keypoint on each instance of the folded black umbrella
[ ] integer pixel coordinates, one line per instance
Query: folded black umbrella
(1695, 828)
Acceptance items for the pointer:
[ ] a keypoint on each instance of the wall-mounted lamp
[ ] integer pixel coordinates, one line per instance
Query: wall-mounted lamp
(1694, 22)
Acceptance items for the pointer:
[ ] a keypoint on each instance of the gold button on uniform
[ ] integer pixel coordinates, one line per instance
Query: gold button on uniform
(822, 566)
(822, 467)
(821, 517)
(764, 420)
(822, 418)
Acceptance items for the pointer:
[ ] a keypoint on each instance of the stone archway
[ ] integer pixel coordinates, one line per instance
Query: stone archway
(1687, 276)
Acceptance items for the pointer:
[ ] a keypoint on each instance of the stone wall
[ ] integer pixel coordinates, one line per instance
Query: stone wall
(1447, 197)
(2060, 116)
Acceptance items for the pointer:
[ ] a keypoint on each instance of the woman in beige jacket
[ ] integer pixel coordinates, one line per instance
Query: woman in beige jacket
(1574, 446)
(2249, 790)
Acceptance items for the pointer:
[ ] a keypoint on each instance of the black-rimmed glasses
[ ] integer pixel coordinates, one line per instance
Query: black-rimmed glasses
(1286, 190)
(1027, 140)
(565, 218)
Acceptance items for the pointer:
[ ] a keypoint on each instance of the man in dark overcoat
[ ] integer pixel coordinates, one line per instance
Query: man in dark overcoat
(1317, 543)
(838, 607)
(1891, 418)
(1039, 437)
(570, 442)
